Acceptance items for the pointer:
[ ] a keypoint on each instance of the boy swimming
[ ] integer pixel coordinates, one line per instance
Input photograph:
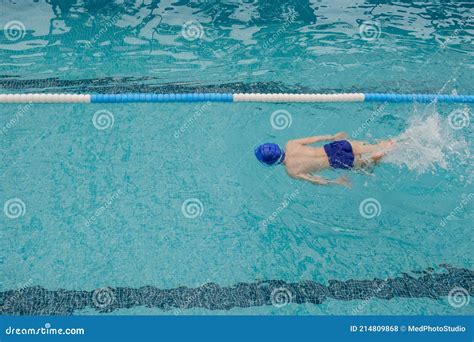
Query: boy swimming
(301, 161)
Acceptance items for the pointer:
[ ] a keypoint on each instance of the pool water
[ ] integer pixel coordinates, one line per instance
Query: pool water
(101, 199)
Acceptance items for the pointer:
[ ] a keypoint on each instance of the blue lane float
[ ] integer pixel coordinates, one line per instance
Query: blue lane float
(422, 98)
(230, 97)
(197, 97)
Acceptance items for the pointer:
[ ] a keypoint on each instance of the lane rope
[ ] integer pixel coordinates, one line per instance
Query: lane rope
(229, 97)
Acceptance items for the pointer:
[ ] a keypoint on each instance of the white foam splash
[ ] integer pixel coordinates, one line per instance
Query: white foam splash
(429, 143)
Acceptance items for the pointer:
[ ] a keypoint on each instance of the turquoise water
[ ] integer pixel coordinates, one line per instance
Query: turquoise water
(106, 207)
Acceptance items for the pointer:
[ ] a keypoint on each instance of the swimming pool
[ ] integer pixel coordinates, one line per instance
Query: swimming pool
(163, 209)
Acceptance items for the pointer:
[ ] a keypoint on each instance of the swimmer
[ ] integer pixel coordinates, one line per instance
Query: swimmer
(301, 160)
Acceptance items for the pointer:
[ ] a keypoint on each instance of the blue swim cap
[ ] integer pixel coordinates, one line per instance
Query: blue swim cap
(270, 154)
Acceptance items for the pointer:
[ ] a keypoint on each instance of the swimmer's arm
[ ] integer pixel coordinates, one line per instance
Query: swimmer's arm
(322, 181)
(318, 138)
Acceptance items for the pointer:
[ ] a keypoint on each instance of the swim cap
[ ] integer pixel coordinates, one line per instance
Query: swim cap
(270, 154)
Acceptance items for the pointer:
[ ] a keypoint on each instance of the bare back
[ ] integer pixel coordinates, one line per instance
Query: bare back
(303, 159)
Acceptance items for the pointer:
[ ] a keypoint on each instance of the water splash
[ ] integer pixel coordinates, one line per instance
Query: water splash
(429, 143)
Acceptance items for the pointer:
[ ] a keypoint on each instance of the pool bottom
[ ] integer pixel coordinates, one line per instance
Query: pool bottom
(455, 283)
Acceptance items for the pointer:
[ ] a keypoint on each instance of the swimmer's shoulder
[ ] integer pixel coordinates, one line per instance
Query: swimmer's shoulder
(291, 172)
(291, 144)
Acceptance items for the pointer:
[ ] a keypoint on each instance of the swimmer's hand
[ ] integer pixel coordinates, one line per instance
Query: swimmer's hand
(344, 181)
(339, 136)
